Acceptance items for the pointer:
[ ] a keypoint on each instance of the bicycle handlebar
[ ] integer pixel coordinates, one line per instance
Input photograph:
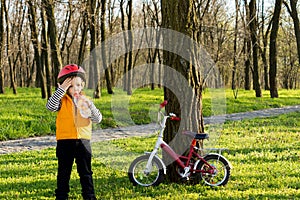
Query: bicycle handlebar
(175, 118)
(163, 104)
(172, 116)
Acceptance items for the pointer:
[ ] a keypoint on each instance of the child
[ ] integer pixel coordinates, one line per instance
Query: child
(73, 130)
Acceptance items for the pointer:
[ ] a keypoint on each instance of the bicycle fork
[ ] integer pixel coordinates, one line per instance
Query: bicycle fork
(166, 148)
(152, 154)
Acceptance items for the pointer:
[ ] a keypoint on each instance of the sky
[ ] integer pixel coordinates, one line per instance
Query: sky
(267, 4)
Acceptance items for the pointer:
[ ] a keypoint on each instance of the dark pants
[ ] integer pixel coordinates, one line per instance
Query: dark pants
(66, 152)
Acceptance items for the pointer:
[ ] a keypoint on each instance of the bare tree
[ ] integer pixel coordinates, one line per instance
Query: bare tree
(125, 70)
(294, 14)
(45, 60)
(2, 90)
(19, 28)
(180, 16)
(54, 43)
(84, 24)
(263, 50)
(130, 54)
(128, 39)
(247, 48)
(253, 32)
(273, 50)
(10, 55)
(151, 18)
(233, 82)
(92, 10)
(37, 47)
(103, 48)
(113, 26)
(66, 28)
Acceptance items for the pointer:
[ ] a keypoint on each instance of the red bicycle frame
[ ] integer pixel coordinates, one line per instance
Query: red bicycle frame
(185, 161)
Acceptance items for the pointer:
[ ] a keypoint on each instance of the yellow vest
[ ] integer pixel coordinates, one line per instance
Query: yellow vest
(70, 124)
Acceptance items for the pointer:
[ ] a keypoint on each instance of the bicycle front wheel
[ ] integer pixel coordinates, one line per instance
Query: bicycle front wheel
(217, 176)
(139, 175)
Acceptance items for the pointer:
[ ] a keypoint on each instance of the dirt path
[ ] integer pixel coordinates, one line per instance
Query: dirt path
(38, 143)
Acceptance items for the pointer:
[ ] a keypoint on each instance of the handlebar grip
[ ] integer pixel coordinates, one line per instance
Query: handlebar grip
(175, 118)
(163, 104)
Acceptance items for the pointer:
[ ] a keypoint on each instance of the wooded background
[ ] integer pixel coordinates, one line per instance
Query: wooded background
(255, 44)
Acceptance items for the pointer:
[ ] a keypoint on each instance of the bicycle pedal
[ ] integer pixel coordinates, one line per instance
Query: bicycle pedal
(185, 179)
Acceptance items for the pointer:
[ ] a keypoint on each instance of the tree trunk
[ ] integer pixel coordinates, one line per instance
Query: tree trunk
(294, 14)
(125, 75)
(9, 56)
(45, 55)
(2, 90)
(93, 42)
(115, 70)
(37, 48)
(263, 50)
(19, 31)
(66, 25)
(178, 15)
(83, 30)
(54, 43)
(273, 50)
(247, 49)
(233, 81)
(130, 41)
(103, 48)
(253, 32)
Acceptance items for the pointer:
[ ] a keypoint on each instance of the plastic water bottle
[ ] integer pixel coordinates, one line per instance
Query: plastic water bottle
(82, 105)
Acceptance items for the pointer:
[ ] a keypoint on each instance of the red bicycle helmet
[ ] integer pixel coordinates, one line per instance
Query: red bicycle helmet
(70, 70)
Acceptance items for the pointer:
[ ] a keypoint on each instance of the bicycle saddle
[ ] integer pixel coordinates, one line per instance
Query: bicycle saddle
(201, 136)
(197, 136)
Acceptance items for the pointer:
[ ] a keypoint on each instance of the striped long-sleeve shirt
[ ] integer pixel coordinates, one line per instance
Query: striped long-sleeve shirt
(54, 104)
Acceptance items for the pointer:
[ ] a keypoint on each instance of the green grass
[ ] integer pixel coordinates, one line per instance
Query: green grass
(25, 115)
(247, 101)
(264, 154)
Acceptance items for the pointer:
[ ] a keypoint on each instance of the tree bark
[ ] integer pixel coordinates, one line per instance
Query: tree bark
(54, 43)
(45, 55)
(253, 32)
(273, 50)
(125, 70)
(294, 14)
(66, 25)
(263, 50)
(103, 48)
(2, 90)
(130, 41)
(233, 81)
(13, 84)
(247, 49)
(179, 16)
(83, 30)
(93, 42)
(37, 48)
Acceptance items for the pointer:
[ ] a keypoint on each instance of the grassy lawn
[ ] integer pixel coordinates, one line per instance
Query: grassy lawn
(264, 154)
(25, 115)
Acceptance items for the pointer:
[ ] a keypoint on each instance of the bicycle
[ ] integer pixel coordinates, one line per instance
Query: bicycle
(149, 169)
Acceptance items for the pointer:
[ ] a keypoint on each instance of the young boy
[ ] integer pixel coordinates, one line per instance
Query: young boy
(73, 130)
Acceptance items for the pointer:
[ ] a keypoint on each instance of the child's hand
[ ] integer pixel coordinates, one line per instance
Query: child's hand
(86, 100)
(66, 84)
(83, 105)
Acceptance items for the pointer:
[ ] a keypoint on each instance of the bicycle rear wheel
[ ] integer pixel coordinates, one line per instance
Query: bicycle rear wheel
(139, 176)
(220, 174)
